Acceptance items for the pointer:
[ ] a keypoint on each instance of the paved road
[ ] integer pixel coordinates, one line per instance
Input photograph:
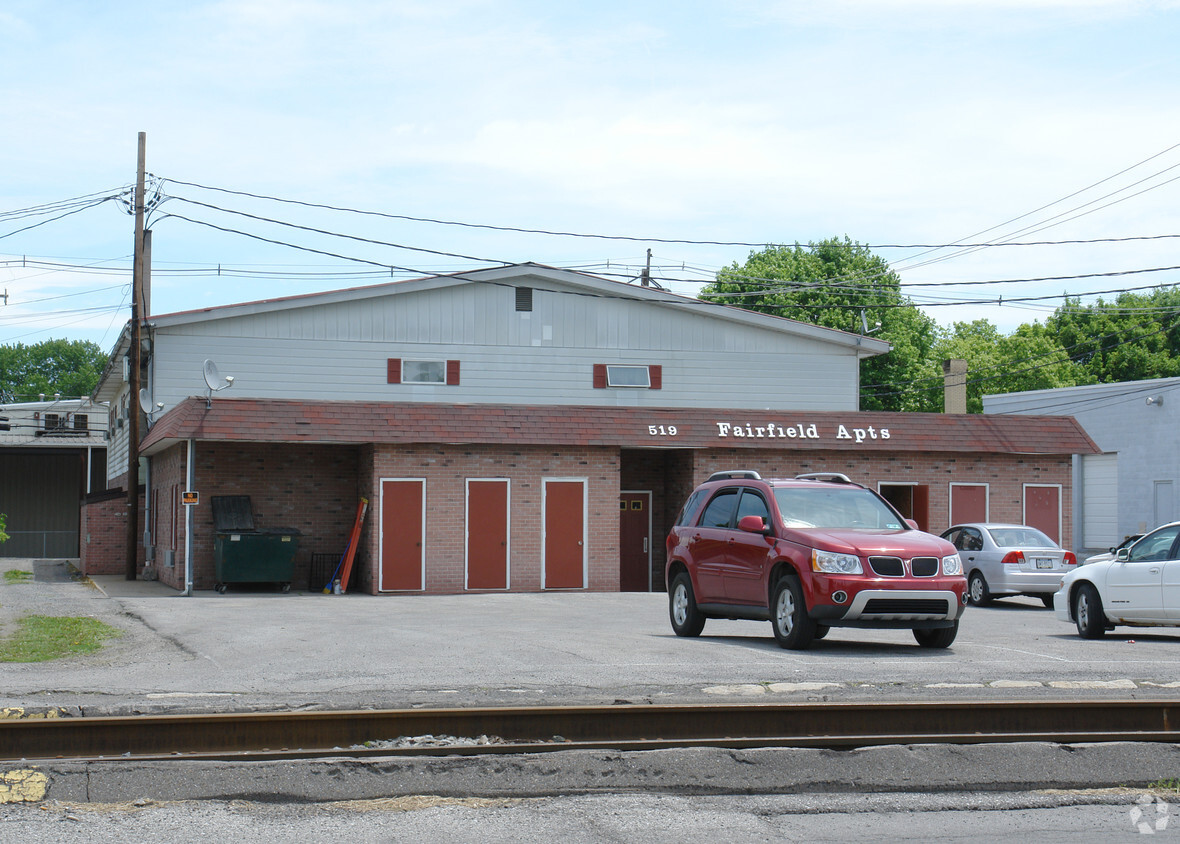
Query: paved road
(609, 817)
(267, 649)
(247, 650)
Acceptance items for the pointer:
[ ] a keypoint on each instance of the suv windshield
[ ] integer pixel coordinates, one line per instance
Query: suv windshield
(835, 507)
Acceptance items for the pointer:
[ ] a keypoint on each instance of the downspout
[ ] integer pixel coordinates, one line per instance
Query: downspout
(188, 524)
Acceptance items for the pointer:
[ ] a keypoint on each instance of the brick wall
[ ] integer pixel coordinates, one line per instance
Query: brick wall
(316, 488)
(1005, 475)
(102, 534)
(312, 488)
(446, 469)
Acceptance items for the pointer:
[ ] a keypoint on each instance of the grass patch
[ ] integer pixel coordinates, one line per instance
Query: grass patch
(1170, 784)
(17, 576)
(40, 638)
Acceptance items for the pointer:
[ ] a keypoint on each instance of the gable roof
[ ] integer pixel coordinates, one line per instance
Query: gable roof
(343, 423)
(537, 276)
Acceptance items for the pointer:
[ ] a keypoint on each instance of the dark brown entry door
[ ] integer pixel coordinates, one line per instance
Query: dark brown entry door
(487, 534)
(402, 519)
(635, 542)
(564, 566)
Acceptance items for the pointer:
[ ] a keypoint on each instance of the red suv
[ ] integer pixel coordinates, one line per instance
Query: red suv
(810, 553)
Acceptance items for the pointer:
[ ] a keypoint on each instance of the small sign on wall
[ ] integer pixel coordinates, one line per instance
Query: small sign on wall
(190, 499)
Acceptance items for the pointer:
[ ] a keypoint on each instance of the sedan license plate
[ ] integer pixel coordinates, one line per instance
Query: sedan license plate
(1044, 563)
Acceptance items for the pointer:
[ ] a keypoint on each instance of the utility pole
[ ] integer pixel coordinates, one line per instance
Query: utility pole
(133, 401)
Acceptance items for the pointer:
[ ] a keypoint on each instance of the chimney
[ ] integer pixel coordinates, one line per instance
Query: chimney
(954, 386)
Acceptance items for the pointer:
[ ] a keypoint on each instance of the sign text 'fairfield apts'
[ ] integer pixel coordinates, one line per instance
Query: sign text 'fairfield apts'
(810, 432)
(775, 431)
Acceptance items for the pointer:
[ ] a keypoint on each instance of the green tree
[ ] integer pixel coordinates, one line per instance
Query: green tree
(1135, 337)
(3, 525)
(1031, 358)
(69, 367)
(832, 284)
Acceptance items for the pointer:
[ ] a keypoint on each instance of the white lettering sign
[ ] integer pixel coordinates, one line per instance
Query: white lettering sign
(770, 431)
(861, 434)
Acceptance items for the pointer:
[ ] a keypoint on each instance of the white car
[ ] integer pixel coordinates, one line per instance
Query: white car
(1109, 554)
(1140, 587)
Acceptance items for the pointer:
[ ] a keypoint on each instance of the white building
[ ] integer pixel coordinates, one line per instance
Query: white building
(52, 454)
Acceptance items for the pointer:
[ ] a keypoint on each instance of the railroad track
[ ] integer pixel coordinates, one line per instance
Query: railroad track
(271, 735)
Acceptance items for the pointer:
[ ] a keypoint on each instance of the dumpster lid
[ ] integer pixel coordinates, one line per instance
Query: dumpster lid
(232, 514)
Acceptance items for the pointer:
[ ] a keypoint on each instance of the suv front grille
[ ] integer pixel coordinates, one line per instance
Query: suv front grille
(924, 566)
(887, 566)
(906, 606)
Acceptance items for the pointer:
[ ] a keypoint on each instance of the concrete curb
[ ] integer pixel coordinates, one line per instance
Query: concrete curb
(899, 768)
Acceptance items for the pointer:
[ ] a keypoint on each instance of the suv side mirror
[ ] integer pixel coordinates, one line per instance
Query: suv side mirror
(1122, 555)
(752, 524)
(913, 524)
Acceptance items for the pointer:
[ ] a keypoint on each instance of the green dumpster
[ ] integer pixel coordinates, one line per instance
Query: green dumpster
(245, 554)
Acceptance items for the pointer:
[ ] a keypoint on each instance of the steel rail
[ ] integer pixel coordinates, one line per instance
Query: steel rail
(304, 734)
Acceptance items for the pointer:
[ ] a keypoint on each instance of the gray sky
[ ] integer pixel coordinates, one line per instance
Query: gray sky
(894, 122)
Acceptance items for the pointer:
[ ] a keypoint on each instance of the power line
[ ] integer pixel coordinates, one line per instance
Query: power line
(641, 239)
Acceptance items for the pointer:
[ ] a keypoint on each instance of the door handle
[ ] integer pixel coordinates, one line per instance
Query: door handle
(645, 545)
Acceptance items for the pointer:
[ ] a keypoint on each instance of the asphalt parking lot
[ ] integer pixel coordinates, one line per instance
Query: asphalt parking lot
(255, 650)
(261, 649)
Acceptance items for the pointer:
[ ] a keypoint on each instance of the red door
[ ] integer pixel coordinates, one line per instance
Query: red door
(1042, 510)
(402, 519)
(564, 566)
(487, 534)
(635, 542)
(968, 503)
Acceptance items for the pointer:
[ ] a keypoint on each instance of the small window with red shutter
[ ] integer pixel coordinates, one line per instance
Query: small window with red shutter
(628, 376)
(402, 371)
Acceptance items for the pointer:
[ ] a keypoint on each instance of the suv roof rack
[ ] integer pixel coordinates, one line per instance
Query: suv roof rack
(734, 474)
(831, 477)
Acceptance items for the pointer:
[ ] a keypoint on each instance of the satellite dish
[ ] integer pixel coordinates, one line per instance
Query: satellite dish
(212, 375)
(214, 381)
(145, 401)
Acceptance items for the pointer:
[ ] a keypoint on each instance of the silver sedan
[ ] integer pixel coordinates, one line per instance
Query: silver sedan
(1005, 559)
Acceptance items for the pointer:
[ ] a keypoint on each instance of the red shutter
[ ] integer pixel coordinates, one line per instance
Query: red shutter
(655, 374)
(452, 373)
(393, 371)
(600, 376)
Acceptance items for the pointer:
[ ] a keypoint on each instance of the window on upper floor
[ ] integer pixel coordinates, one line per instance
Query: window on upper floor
(399, 371)
(634, 376)
(424, 372)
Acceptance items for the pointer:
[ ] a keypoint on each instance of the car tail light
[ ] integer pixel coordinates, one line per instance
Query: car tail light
(1071, 558)
(1014, 558)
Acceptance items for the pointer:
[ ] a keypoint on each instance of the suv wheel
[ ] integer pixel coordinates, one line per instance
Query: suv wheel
(682, 607)
(793, 627)
(939, 637)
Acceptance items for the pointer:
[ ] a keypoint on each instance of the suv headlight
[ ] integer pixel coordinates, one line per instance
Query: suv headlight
(831, 563)
(952, 564)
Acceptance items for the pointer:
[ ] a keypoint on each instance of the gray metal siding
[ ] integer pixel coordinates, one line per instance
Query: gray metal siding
(339, 352)
(1118, 418)
(39, 494)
